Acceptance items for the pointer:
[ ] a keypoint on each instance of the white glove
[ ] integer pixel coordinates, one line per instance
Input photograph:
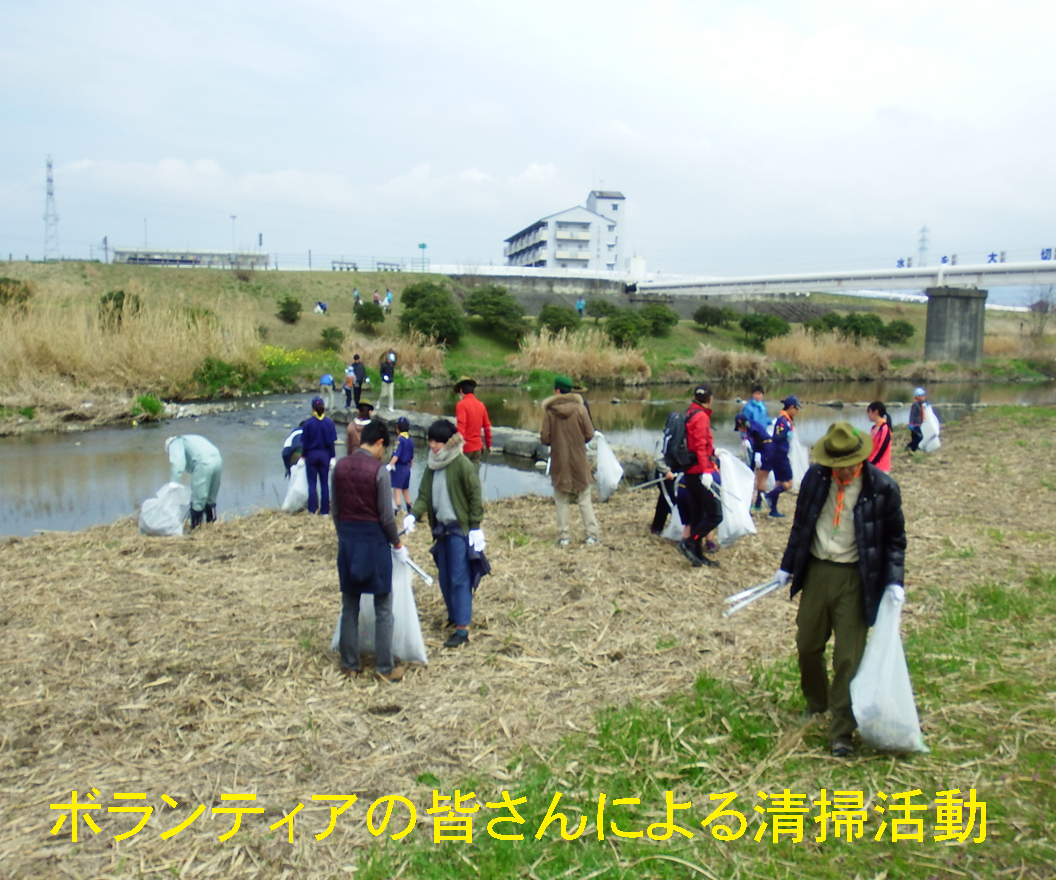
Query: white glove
(402, 554)
(706, 480)
(173, 484)
(391, 468)
(476, 539)
(782, 577)
(897, 593)
(408, 523)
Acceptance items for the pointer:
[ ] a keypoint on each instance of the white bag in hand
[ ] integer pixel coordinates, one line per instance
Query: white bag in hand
(799, 458)
(407, 642)
(297, 493)
(610, 471)
(736, 493)
(929, 430)
(674, 528)
(163, 515)
(881, 693)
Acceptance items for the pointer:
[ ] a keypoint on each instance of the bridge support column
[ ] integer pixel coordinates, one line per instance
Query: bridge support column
(955, 325)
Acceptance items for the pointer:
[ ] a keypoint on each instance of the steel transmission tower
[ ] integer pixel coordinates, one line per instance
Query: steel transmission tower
(51, 220)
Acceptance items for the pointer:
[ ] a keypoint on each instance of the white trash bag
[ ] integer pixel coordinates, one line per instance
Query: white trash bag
(610, 471)
(881, 692)
(407, 642)
(929, 430)
(297, 492)
(736, 493)
(673, 530)
(163, 515)
(799, 458)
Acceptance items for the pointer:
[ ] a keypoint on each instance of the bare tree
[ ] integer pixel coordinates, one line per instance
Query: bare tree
(1042, 304)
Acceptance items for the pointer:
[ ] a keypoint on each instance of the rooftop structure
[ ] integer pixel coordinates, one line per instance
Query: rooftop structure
(577, 238)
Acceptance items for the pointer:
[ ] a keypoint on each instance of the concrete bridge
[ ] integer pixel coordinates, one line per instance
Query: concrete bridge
(916, 278)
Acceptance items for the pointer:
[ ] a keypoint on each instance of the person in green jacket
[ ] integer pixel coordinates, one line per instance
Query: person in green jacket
(449, 495)
(193, 454)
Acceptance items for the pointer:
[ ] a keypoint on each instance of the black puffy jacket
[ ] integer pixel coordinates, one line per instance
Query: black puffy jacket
(879, 531)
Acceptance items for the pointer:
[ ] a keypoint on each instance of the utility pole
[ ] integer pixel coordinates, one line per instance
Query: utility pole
(106, 250)
(51, 220)
(922, 247)
(145, 245)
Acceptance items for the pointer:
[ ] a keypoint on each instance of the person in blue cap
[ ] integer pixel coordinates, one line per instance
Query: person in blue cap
(778, 448)
(318, 436)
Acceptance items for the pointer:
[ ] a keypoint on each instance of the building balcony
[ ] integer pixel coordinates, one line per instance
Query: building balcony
(572, 255)
(572, 235)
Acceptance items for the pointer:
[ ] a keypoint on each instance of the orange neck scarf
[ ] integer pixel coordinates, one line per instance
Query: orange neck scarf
(840, 487)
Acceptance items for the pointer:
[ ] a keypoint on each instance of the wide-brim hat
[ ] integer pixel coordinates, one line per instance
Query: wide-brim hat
(842, 446)
(465, 380)
(364, 404)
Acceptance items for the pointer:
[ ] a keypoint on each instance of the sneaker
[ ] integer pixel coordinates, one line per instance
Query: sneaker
(591, 541)
(563, 542)
(391, 677)
(842, 748)
(775, 514)
(457, 640)
(687, 550)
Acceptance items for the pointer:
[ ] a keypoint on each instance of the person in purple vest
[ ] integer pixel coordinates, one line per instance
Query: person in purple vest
(361, 505)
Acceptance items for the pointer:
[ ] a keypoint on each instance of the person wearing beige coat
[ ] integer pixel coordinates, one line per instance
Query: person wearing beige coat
(566, 429)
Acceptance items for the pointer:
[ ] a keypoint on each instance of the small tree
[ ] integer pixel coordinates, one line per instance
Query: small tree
(369, 315)
(659, 318)
(759, 328)
(414, 292)
(433, 315)
(861, 325)
(556, 318)
(708, 317)
(600, 308)
(498, 309)
(289, 310)
(333, 337)
(896, 333)
(626, 327)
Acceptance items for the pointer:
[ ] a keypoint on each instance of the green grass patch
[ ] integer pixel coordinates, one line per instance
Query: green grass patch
(147, 406)
(12, 412)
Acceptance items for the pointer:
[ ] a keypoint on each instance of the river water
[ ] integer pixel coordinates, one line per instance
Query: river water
(71, 481)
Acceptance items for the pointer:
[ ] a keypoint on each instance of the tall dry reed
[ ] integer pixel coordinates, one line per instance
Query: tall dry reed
(825, 354)
(587, 355)
(415, 352)
(715, 363)
(56, 344)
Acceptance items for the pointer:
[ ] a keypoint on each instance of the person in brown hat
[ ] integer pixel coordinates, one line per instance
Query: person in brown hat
(472, 418)
(847, 546)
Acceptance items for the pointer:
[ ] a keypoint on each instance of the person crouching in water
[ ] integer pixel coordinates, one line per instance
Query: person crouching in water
(449, 495)
(779, 462)
(193, 454)
(400, 464)
(881, 431)
(846, 548)
(366, 528)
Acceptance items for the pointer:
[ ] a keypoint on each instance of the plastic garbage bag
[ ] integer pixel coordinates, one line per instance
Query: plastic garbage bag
(736, 493)
(673, 530)
(297, 492)
(799, 458)
(407, 642)
(163, 515)
(929, 430)
(610, 471)
(881, 692)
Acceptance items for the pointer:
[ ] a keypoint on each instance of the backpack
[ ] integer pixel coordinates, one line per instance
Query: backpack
(675, 447)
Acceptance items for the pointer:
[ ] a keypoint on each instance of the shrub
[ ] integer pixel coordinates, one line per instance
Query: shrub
(369, 315)
(708, 317)
(626, 327)
(112, 307)
(333, 337)
(896, 333)
(867, 325)
(14, 293)
(601, 308)
(556, 318)
(659, 318)
(289, 310)
(759, 328)
(215, 376)
(432, 313)
(148, 405)
(499, 310)
(414, 292)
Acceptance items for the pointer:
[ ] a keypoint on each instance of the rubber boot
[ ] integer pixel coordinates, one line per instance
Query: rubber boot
(699, 548)
(196, 519)
(210, 513)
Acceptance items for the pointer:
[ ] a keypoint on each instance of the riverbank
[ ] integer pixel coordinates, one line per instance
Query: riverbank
(199, 666)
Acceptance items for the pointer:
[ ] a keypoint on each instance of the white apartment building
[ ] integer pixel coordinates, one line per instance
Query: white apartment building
(579, 238)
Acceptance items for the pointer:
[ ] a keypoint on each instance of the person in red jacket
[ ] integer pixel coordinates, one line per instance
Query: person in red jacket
(472, 418)
(705, 511)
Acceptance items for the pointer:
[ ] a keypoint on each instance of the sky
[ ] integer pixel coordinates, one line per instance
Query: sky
(747, 136)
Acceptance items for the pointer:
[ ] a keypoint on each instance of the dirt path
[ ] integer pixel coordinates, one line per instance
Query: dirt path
(201, 666)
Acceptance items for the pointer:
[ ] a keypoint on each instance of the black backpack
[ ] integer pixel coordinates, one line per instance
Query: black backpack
(676, 450)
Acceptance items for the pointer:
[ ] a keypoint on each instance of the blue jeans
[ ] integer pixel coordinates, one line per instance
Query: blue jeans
(317, 465)
(452, 562)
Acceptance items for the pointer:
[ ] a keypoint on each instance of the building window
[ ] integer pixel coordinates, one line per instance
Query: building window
(615, 207)
(612, 227)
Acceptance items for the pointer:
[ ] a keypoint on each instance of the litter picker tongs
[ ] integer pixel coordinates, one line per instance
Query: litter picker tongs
(415, 567)
(746, 597)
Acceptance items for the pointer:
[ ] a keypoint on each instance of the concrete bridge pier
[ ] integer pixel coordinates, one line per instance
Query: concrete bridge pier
(954, 330)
